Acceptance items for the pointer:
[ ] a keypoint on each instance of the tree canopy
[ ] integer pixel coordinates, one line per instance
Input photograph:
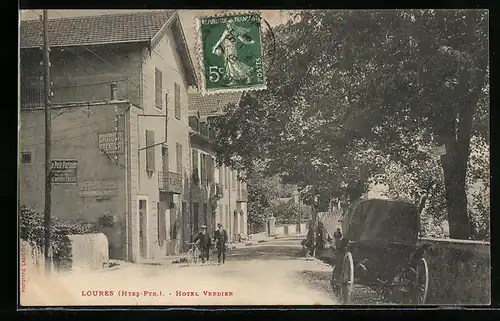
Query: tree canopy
(351, 92)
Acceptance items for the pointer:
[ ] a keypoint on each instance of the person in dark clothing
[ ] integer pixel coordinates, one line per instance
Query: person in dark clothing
(322, 238)
(337, 235)
(205, 243)
(221, 238)
(311, 239)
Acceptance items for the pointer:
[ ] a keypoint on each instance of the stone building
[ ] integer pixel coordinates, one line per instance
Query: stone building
(218, 195)
(120, 142)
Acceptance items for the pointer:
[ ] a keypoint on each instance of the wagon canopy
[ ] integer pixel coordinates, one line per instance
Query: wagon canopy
(380, 219)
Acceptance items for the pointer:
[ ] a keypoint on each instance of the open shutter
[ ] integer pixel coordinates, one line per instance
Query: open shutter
(203, 169)
(177, 90)
(150, 151)
(179, 157)
(158, 88)
(196, 168)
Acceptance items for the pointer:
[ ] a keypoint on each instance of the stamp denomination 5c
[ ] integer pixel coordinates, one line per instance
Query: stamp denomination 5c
(231, 52)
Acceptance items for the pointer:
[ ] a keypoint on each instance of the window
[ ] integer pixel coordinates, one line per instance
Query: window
(26, 157)
(195, 162)
(178, 148)
(150, 151)
(158, 88)
(177, 93)
(226, 177)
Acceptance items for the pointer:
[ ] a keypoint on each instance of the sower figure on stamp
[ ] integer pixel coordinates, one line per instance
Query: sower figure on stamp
(221, 240)
(235, 69)
(205, 243)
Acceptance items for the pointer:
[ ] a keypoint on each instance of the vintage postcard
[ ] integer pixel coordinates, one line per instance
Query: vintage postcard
(254, 157)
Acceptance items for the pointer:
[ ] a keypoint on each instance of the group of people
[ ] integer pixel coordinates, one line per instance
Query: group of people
(205, 243)
(318, 237)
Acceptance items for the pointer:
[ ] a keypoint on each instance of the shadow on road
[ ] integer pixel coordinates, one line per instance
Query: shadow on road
(268, 252)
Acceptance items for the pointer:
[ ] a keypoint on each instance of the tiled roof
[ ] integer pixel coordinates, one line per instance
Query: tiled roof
(102, 29)
(209, 104)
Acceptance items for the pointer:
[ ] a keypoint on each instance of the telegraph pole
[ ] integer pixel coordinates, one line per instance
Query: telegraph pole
(48, 160)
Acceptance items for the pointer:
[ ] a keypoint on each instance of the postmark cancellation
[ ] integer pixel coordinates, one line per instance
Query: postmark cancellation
(230, 53)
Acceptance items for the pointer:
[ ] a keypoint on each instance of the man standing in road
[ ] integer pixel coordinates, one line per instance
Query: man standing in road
(221, 240)
(337, 235)
(205, 243)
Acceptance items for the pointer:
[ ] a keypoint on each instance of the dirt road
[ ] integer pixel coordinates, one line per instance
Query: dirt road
(272, 273)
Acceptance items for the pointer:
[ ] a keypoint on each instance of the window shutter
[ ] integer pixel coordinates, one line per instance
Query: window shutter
(179, 157)
(234, 180)
(221, 175)
(158, 88)
(150, 151)
(177, 93)
(203, 178)
(226, 178)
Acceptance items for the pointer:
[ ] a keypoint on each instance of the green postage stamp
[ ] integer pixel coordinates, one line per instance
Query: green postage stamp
(230, 53)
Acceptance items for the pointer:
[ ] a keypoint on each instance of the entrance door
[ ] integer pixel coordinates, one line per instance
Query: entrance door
(143, 236)
(195, 227)
(235, 224)
(242, 224)
(185, 227)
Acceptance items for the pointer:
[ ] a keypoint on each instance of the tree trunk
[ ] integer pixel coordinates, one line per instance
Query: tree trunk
(456, 198)
(454, 163)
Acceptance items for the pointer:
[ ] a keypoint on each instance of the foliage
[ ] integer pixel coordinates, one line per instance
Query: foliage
(32, 231)
(261, 190)
(289, 212)
(348, 87)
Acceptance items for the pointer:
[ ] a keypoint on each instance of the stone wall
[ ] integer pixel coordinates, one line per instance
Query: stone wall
(89, 251)
(459, 271)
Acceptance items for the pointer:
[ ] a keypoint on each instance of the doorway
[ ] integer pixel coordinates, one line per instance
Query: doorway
(235, 224)
(195, 219)
(143, 231)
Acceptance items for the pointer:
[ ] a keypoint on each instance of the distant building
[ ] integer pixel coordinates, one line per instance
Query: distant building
(218, 195)
(120, 143)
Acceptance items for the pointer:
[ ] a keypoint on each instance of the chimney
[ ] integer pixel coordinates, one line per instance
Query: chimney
(113, 91)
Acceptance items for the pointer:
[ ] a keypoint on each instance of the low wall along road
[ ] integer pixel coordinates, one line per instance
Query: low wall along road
(459, 271)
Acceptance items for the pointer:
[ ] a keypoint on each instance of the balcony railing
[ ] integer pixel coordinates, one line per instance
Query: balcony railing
(170, 182)
(32, 97)
(242, 195)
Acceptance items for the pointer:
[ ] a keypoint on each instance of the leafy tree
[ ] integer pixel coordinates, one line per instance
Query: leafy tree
(341, 83)
(261, 190)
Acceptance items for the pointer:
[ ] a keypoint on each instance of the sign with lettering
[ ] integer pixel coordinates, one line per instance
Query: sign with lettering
(64, 171)
(98, 188)
(111, 143)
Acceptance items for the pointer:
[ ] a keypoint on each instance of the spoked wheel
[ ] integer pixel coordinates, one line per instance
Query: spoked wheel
(347, 280)
(420, 284)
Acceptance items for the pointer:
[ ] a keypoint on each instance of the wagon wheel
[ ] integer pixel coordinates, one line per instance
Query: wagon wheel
(347, 281)
(421, 282)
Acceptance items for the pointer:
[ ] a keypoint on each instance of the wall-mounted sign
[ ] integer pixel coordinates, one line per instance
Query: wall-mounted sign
(111, 143)
(97, 188)
(64, 171)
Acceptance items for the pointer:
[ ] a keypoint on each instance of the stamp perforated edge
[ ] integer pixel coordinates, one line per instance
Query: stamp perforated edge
(199, 53)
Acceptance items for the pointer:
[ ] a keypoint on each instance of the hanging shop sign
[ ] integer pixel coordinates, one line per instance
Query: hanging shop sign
(64, 171)
(111, 143)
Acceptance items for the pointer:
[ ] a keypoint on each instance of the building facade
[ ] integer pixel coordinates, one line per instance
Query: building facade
(217, 190)
(121, 155)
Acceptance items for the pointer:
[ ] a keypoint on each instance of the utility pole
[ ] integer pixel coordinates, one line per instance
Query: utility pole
(48, 160)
